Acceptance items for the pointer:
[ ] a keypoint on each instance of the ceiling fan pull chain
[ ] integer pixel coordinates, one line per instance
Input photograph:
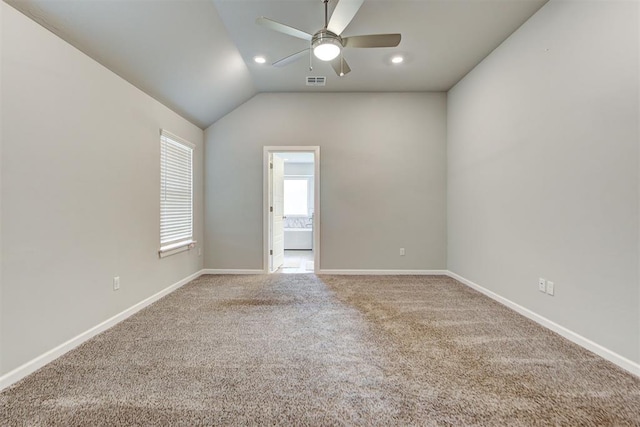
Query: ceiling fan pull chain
(310, 59)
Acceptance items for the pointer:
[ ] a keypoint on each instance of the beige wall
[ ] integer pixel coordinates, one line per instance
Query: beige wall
(80, 192)
(382, 172)
(543, 170)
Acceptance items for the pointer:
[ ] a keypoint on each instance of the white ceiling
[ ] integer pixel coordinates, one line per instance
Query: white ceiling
(177, 51)
(196, 56)
(442, 40)
(291, 157)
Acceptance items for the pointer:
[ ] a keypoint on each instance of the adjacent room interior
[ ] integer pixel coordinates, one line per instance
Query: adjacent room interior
(296, 184)
(451, 234)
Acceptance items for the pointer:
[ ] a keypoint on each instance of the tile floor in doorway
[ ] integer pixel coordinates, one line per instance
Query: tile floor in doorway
(297, 262)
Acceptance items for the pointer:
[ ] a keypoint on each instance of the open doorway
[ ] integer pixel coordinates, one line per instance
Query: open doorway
(291, 209)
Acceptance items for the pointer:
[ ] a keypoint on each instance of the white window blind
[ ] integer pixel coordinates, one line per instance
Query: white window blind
(176, 192)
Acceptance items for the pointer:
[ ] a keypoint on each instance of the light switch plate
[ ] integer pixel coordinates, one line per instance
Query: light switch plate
(542, 285)
(550, 288)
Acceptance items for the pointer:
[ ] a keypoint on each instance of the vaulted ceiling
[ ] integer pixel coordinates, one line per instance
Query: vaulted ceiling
(197, 56)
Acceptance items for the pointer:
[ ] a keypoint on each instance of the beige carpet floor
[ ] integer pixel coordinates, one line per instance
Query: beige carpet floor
(327, 350)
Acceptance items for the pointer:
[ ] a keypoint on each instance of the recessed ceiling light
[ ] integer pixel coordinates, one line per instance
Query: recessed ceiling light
(397, 59)
(259, 59)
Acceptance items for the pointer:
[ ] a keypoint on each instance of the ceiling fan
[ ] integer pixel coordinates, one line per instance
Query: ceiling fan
(327, 44)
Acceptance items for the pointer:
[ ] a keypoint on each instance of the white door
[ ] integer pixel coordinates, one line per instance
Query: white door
(277, 237)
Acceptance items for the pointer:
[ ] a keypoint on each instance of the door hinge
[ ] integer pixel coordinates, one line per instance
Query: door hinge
(270, 165)
(270, 208)
(271, 252)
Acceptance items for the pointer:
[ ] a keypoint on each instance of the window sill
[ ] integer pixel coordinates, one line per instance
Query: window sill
(176, 248)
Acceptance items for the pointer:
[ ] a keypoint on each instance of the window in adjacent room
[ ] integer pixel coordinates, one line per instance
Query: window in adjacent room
(296, 197)
(176, 194)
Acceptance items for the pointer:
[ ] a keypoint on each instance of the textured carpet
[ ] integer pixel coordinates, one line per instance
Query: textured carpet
(327, 350)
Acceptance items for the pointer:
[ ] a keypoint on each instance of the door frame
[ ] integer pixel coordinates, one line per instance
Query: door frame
(266, 198)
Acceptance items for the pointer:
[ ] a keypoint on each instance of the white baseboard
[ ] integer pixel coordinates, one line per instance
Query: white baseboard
(33, 365)
(231, 271)
(386, 272)
(601, 351)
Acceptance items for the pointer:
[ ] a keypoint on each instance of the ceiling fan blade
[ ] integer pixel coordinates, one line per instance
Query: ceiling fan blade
(276, 26)
(291, 58)
(340, 66)
(373, 40)
(343, 14)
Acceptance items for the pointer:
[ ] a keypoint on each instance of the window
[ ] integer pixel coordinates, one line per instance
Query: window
(296, 197)
(176, 194)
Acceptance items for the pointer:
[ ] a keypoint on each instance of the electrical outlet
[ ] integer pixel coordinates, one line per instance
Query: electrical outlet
(401, 251)
(116, 283)
(550, 288)
(542, 285)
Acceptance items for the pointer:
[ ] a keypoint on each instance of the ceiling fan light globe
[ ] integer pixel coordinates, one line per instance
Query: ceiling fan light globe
(326, 51)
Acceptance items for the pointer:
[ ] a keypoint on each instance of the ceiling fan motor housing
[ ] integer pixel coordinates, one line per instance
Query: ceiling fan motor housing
(326, 45)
